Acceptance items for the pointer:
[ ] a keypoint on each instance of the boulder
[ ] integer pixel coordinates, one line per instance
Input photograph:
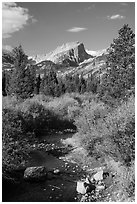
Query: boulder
(35, 173)
(81, 187)
(98, 176)
(84, 187)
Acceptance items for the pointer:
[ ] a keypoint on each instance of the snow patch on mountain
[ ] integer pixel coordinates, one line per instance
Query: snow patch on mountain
(98, 52)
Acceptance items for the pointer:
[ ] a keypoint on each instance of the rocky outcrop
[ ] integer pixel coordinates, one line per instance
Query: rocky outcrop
(69, 54)
(35, 173)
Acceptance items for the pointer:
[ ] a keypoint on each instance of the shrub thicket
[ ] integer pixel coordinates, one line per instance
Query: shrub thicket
(13, 149)
(108, 130)
(110, 133)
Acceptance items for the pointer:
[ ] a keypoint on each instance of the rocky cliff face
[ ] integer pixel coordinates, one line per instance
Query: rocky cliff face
(69, 54)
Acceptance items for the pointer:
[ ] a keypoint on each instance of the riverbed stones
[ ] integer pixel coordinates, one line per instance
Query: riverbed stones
(100, 187)
(35, 173)
(84, 187)
(56, 171)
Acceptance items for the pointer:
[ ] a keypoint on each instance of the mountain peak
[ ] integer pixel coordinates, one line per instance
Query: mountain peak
(70, 54)
(65, 47)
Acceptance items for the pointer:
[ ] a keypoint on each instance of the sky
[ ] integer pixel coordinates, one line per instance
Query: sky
(40, 27)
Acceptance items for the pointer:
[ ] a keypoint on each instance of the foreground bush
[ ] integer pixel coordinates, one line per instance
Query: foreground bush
(122, 129)
(114, 130)
(123, 189)
(35, 117)
(9, 102)
(110, 133)
(13, 149)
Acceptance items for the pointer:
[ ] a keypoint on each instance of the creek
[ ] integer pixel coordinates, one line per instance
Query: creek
(60, 188)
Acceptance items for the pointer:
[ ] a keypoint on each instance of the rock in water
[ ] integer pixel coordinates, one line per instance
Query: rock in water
(80, 187)
(35, 173)
(56, 171)
(98, 176)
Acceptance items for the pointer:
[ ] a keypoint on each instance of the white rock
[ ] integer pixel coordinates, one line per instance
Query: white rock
(80, 187)
(98, 176)
(100, 187)
(56, 171)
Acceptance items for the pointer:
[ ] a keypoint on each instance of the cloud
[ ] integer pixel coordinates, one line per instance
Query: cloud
(7, 47)
(14, 18)
(76, 29)
(117, 16)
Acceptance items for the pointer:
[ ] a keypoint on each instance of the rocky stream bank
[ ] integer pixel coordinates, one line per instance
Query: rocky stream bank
(51, 175)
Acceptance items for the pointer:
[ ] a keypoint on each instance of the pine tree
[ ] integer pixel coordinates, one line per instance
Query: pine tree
(91, 84)
(23, 75)
(69, 83)
(76, 83)
(60, 88)
(120, 75)
(49, 82)
(82, 84)
(37, 84)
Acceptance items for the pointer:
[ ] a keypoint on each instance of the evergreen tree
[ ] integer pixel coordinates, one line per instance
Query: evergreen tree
(76, 83)
(120, 75)
(89, 83)
(23, 74)
(69, 84)
(49, 82)
(37, 84)
(60, 88)
(82, 84)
